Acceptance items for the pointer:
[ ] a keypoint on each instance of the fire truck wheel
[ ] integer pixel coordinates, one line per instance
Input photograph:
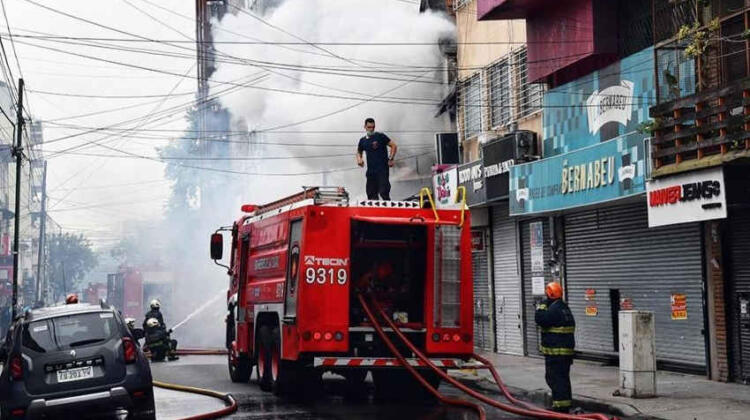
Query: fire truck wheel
(240, 367)
(355, 384)
(264, 358)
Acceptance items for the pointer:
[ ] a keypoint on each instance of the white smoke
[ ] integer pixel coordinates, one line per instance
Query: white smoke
(330, 21)
(324, 21)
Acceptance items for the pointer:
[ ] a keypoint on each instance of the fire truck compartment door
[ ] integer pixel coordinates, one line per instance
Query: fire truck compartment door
(414, 220)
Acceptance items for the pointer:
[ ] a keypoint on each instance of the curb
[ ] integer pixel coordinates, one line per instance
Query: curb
(543, 398)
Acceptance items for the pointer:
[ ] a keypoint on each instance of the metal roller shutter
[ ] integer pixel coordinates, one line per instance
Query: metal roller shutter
(612, 250)
(508, 324)
(531, 330)
(739, 253)
(482, 297)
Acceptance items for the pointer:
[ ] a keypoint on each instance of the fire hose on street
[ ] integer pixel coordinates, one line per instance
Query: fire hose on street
(516, 407)
(227, 398)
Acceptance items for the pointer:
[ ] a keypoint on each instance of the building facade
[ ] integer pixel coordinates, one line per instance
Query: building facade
(498, 110)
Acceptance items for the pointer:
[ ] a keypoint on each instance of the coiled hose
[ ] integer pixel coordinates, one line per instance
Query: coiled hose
(227, 398)
(525, 410)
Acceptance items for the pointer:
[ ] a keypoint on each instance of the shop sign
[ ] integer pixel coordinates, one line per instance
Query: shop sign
(613, 104)
(498, 157)
(679, 306)
(689, 197)
(596, 174)
(617, 105)
(471, 177)
(592, 310)
(477, 240)
(444, 187)
(537, 286)
(536, 245)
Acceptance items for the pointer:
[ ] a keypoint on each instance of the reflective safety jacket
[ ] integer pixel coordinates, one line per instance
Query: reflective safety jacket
(558, 327)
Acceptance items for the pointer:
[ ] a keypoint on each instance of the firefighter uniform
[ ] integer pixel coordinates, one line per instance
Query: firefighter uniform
(558, 342)
(153, 313)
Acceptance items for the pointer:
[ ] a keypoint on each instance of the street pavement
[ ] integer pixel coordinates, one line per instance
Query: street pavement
(328, 403)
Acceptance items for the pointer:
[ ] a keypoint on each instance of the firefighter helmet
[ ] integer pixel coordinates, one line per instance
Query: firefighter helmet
(130, 322)
(553, 290)
(155, 304)
(71, 298)
(152, 323)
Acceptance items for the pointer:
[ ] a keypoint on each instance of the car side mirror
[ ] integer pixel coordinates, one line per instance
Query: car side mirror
(217, 246)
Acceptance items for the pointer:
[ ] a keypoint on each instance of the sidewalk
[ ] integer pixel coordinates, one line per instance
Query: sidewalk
(680, 396)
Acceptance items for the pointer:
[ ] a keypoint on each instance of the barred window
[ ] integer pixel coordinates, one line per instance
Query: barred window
(457, 4)
(500, 93)
(530, 94)
(471, 101)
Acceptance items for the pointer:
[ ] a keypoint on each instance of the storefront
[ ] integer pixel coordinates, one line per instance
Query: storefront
(498, 157)
(736, 262)
(584, 221)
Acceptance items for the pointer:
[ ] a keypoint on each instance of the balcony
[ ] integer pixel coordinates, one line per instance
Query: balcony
(701, 130)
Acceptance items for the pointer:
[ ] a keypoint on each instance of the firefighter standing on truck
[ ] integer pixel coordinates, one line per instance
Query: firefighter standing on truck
(375, 145)
(558, 342)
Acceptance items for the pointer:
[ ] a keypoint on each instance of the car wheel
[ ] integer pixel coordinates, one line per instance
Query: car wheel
(264, 358)
(143, 410)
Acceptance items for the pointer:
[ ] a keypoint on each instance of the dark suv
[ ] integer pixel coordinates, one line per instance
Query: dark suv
(75, 357)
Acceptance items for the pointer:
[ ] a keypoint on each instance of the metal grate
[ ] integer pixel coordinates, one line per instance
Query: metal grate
(529, 94)
(500, 93)
(448, 276)
(471, 102)
(457, 4)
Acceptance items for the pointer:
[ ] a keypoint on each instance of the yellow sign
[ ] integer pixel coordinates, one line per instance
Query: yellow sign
(679, 306)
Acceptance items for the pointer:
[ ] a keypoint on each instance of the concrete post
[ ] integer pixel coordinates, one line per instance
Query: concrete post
(637, 354)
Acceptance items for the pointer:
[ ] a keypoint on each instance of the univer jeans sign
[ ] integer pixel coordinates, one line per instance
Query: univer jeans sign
(471, 176)
(595, 174)
(689, 197)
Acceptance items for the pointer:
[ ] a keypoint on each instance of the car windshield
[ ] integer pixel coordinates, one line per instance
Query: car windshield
(69, 331)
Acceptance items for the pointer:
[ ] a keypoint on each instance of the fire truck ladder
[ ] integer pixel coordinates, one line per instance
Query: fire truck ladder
(337, 196)
(516, 406)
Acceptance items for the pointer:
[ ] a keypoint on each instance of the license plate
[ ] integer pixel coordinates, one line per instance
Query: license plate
(75, 374)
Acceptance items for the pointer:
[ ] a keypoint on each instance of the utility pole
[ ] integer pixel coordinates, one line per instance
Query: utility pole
(18, 153)
(42, 236)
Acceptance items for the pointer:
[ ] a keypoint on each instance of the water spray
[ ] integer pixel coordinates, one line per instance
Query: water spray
(200, 309)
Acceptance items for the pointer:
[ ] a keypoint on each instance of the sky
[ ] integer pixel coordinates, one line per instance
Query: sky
(76, 90)
(93, 194)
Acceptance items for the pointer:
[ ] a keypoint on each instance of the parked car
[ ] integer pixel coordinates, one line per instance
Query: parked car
(75, 357)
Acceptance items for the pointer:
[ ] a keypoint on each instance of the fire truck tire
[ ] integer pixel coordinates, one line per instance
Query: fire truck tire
(264, 358)
(355, 383)
(399, 385)
(240, 369)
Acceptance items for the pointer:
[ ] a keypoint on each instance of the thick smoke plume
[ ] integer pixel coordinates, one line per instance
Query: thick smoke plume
(409, 77)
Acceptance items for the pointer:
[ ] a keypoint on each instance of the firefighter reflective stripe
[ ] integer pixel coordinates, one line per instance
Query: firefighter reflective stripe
(542, 307)
(562, 403)
(557, 351)
(559, 330)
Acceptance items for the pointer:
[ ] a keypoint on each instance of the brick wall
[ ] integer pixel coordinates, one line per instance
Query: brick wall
(717, 304)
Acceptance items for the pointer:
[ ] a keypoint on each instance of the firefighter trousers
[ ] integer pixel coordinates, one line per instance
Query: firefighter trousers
(378, 184)
(557, 374)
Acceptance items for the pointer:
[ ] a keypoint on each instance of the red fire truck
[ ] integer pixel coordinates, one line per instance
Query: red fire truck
(125, 291)
(301, 268)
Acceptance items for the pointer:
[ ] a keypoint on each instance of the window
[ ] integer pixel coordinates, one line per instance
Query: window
(733, 61)
(69, 331)
(471, 101)
(500, 93)
(529, 94)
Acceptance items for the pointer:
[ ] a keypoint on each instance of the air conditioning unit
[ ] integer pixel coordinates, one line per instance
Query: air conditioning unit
(446, 147)
(525, 145)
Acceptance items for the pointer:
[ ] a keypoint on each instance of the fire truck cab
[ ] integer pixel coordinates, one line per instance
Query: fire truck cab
(296, 269)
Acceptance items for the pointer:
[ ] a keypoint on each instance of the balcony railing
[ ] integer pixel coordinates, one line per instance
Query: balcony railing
(703, 129)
